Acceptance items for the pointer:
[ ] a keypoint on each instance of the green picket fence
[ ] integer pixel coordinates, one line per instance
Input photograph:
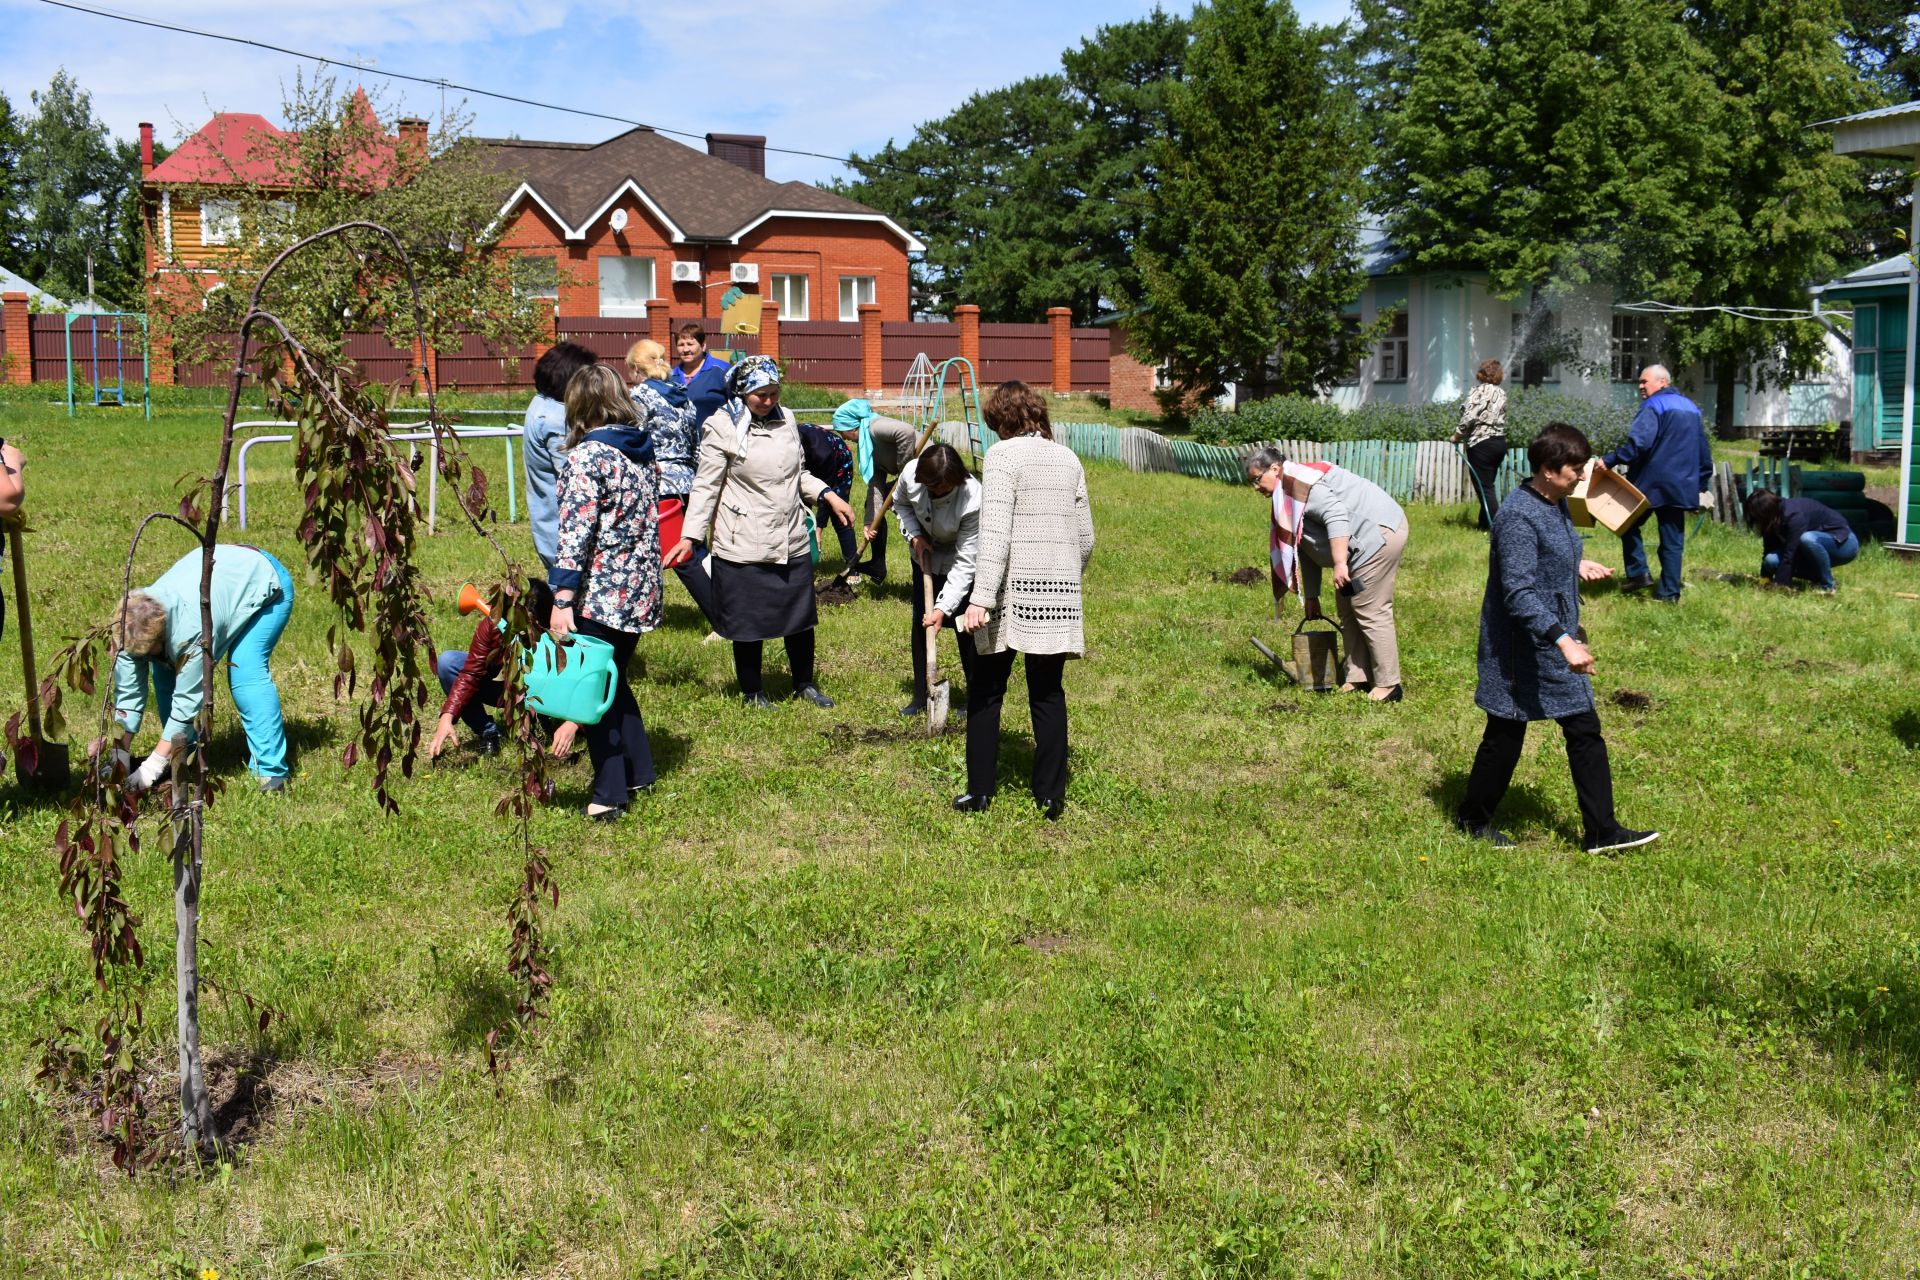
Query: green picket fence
(1412, 471)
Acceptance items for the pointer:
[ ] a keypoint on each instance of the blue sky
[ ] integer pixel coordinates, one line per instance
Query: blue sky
(829, 76)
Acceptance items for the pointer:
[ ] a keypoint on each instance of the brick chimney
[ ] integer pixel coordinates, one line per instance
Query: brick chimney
(146, 148)
(413, 135)
(748, 150)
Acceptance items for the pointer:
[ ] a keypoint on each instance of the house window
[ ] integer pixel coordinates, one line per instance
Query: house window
(219, 222)
(790, 292)
(1534, 343)
(1350, 343)
(1393, 350)
(1635, 339)
(536, 277)
(626, 285)
(855, 292)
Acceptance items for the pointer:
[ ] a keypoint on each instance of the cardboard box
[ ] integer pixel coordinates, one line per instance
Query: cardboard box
(1606, 498)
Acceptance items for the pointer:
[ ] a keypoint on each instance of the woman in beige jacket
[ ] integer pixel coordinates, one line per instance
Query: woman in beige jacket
(1036, 536)
(748, 505)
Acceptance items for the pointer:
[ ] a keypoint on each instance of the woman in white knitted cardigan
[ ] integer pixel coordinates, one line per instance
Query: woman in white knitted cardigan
(1036, 536)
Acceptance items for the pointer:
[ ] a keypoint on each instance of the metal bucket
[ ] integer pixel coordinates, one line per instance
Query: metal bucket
(1316, 656)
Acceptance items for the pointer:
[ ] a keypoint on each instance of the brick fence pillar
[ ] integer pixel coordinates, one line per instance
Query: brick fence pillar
(968, 317)
(160, 366)
(872, 351)
(1060, 326)
(13, 312)
(660, 327)
(770, 329)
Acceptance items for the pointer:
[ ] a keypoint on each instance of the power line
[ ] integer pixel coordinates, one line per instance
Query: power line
(443, 84)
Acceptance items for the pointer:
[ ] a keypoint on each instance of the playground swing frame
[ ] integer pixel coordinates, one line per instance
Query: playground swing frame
(119, 391)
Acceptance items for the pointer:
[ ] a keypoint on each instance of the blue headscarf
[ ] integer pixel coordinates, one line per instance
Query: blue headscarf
(857, 415)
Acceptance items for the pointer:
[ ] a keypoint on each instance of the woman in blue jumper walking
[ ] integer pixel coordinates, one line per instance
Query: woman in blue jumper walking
(1534, 660)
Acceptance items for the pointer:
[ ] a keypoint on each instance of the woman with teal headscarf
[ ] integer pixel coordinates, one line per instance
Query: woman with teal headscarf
(882, 448)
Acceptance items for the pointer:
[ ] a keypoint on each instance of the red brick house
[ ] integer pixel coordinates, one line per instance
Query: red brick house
(615, 228)
(640, 222)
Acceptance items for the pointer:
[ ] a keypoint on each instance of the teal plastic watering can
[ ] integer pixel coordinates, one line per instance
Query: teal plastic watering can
(582, 691)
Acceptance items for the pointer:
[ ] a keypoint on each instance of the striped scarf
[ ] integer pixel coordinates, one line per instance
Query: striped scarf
(1289, 514)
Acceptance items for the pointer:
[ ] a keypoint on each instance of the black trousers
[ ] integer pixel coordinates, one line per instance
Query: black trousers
(747, 659)
(618, 747)
(918, 633)
(1046, 699)
(1499, 752)
(877, 493)
(1485, 459)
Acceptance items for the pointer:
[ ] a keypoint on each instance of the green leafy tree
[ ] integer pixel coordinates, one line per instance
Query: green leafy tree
(1546, 142)
(1881, 39)
(66, 166)
(336, 162)
(11, 142)
(1033, 195)
(1250, 254)
(1777, 214)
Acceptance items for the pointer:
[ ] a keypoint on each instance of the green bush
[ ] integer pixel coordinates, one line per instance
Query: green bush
(1275, 418)
(1304, 418)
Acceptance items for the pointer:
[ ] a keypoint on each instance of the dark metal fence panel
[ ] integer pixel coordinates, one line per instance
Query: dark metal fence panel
(111, 341)
(1010, 352)
(479, 365)
(900, 343)
(379, 361)
(1092, 349)
(606, 336)
(823, 352)
(215, 371)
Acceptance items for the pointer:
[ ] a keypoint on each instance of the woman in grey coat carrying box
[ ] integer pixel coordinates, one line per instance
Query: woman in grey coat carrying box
(1534, 662)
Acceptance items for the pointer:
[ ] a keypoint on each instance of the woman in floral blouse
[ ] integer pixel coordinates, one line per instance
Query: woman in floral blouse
(668, 414)
(1483, 430)
(606, 579)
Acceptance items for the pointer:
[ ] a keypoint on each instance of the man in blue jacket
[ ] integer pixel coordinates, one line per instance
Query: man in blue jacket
(1667, 457)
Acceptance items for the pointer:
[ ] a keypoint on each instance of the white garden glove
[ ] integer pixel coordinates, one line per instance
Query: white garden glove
(1706, 499)
(151, 770)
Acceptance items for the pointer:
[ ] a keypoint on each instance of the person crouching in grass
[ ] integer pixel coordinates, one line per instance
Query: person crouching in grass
(1534, 662)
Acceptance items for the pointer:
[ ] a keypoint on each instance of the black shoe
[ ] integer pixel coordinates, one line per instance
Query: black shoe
(1051, 809)
(755, 699)
(1393, 695)
(1486, 831)
(811, 692)
(971, 803)
(1622, 838)
(605, 815)
(489, 745)
(914, 708)
(1642, 583)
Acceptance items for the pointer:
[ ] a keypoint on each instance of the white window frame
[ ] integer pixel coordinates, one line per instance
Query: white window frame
(1633, 343)
(219, 223)
(861, 296)
(1393, 349)
(551, 291)
(627, 305)
(783, 289)
(1517, 375)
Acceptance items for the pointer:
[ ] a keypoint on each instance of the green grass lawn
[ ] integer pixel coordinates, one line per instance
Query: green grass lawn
(1252, 1008)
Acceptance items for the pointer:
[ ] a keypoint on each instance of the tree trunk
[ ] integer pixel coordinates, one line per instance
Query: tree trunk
(1723, 423)
(196, 1119)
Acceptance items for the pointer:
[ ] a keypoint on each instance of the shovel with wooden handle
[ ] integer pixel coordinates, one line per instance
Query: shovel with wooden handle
(43, 765)
(939, 692)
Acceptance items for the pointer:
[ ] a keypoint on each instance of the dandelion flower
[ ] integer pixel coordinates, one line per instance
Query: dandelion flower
(209, 1273)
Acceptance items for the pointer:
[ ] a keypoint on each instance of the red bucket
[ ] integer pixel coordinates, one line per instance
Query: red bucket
(673, 514)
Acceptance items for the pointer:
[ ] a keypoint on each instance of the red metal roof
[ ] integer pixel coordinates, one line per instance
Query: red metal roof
(241, 147)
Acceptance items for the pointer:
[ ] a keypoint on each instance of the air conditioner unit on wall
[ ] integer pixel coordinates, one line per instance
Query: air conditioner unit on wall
(686, 273)
(746, 273)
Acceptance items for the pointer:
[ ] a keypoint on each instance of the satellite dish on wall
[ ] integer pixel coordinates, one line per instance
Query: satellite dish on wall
(619, 220)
